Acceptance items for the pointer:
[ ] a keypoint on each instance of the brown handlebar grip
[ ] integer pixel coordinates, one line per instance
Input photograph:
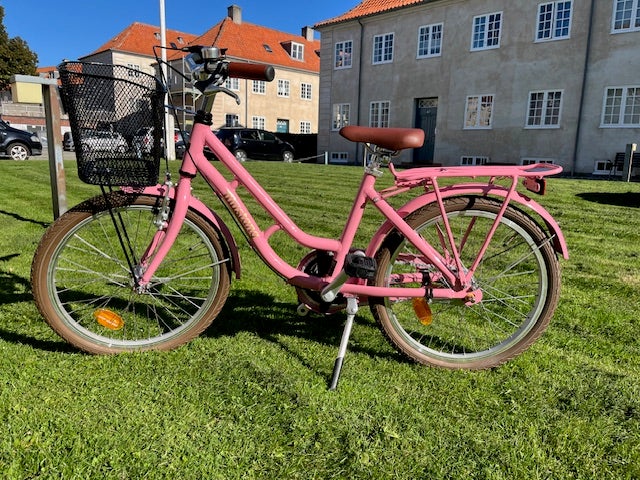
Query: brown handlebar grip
(251, 71)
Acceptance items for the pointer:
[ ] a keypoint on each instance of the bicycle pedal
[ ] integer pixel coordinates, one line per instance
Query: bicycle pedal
(360, 267)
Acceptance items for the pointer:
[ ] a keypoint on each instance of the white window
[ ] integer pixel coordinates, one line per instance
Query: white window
(604, 167)
(430, 41)
(339, 157)
(621, 107)
(232, 84)
(479, 112)
(383, 48)
(626, 15)
(297, 51)
(305, 127)
(259, 87)
(341, 112)
(473, 160)
(379, 114)
(283, 88)
(486, 31)
(258, 122)
(306, 91)
(231, 120)
(135, 70)
(343, 55)
(544, 109)
(554, 21)
(533, 161)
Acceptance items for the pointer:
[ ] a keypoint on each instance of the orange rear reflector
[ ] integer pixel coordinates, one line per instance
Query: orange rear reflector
(108, 319)
(423, 311)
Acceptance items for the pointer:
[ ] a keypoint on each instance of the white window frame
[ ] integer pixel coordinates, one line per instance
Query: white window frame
(548, 114)
(306, 91)
(339, 157)
(533, 161)
(134, 70)
(619, 105)
(620, 16)
(231, 120)
(383, 48)
(297, 51)
(284, 88)
(469, 160)
(258, 122)
(341, 115)
(481, 101)
(549, 26)
(259, 87)
(430, 40)
(481, 37)
(305, 127)
(343, 55)
(232, 84)
(379, 113)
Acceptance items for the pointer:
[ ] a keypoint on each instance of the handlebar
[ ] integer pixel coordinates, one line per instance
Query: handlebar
(251, 71)
(209, 69)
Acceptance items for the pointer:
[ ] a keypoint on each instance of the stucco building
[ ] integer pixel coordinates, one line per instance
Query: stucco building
(488, 80)
(288, 104)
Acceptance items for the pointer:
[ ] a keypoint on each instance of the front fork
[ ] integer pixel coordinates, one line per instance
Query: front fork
(167, 232)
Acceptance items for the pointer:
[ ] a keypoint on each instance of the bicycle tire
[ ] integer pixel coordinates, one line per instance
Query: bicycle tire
(80, 277)
(519, 277)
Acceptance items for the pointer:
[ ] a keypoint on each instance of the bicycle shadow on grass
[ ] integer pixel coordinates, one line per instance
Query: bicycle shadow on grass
(16, 289)
(13, 288)
(259, 313)
(24, 219)
(628, 199)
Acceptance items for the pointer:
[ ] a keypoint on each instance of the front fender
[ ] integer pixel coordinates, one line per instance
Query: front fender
(211, 216)
(559, 243)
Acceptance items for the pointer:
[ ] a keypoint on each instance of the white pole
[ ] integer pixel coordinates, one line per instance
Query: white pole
(170, 150)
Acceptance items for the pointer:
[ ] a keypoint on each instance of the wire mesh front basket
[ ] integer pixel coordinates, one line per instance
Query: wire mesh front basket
(116, 116)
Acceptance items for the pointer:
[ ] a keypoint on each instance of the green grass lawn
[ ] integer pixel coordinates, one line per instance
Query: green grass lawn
(248, 399)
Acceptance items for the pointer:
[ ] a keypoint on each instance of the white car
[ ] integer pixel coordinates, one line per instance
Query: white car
(104, 141)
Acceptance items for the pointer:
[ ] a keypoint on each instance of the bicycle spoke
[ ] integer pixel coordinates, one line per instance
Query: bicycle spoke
(514, 276)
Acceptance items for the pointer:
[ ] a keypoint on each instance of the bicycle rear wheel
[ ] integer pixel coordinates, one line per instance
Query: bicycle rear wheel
(519, 277)
(83, 287)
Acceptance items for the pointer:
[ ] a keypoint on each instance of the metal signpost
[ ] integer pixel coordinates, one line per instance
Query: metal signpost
(54, 138)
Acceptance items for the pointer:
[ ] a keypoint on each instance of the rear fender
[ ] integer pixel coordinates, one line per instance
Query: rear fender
(559, 243)
(212, 217)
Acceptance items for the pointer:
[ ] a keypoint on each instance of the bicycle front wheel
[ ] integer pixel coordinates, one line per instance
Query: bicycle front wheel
(519, 277)
(83, 286)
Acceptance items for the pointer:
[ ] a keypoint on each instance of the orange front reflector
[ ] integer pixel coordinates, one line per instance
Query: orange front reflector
(423, 311)
(108, 319)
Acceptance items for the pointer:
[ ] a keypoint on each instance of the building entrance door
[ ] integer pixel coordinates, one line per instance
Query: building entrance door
(426, 115)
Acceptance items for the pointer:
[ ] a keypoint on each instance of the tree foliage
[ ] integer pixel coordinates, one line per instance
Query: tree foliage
(16, 58)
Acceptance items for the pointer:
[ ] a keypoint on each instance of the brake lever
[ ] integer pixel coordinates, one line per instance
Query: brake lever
(226, 91)
(210, 92)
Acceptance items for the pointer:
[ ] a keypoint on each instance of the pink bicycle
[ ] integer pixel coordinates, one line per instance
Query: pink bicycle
(462, 276)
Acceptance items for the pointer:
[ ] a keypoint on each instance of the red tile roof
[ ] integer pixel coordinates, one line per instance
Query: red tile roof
(247, 41)
(140, 38)
(369, 7)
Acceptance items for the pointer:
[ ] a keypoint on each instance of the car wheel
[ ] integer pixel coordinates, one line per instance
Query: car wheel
(241, 155)
(287, 156)
(18, 151)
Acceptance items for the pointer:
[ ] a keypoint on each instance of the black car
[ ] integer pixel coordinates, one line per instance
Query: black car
(18, 144)
(255, 144)
(67, 142)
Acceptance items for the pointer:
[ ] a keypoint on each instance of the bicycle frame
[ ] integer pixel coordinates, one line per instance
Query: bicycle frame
(195, 162)
(460, 276)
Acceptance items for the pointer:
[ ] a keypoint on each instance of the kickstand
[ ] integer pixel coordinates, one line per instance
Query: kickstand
(352, 309)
